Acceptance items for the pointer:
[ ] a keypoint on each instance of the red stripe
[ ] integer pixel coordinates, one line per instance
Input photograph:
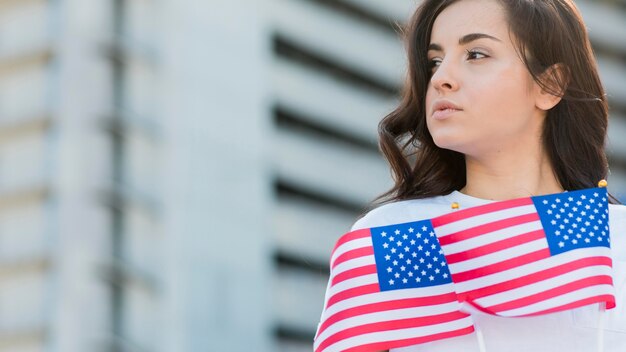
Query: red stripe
(487, 228)
(534, 277)
(353, 254)
(352, 273)
(495, 247)
(551, 293)
(479, 210)
(608, 299)
(350, 236)
(391, 325)
(353, 292)
(388, 305)
(410, 342)
(501, 266)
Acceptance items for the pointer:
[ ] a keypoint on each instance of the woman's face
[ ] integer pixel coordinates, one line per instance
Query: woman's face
(481, 98)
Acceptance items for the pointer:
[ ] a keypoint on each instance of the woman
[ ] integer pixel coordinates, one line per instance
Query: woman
(502, 101)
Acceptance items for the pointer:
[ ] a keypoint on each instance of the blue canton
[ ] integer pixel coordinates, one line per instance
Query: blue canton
(409, 256)
(577, 219)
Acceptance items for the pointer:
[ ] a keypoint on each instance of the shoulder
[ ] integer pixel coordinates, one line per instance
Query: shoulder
(403, 211)
(617, 211)
(617, 221)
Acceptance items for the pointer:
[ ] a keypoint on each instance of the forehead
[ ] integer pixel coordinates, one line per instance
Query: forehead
(470, 16)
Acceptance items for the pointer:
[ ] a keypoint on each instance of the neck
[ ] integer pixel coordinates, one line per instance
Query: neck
(510, 175)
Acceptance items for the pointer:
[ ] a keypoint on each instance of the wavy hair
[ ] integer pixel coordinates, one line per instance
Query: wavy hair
(574, 132)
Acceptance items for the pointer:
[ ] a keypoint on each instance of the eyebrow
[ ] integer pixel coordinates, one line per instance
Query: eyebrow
(468, 38)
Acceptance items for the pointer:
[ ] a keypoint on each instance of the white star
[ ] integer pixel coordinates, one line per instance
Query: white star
(423, 272)
(383, 234)
(406, 249)
(393, 250)
(587, 240)
(411, 230)
(399, 243)
(424, 228)
(385, 245)
(391, 282)
(408, 261)
(389, 269)
(419, 248)
(445, 275)
(405, 280)
(395, 262)
(428, 253)
(561, 244)
(426, 240)
(397, 232)
(387, 257)
(437, 271)
(402, 268)
(417, 279)
(429, 266)
(422, 260)
(431, 278)
(397, 275)
(401, 256)
(410, 274)
(405, 236)
(412, 242)
(545, 201)
(574, 241)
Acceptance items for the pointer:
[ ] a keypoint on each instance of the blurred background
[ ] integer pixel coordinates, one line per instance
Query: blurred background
(174, 173)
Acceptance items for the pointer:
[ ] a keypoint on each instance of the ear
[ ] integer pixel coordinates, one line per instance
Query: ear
(554, 81)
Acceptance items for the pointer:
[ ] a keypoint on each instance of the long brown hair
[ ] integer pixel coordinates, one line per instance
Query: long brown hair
(548, 33)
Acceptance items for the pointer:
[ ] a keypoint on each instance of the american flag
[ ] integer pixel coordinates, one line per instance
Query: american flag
(531, 256)
(403, 284)
(389, 287)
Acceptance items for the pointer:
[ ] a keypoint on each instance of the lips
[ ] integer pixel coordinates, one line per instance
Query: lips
(444, 108)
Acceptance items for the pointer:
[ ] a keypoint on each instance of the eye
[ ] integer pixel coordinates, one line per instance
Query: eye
(475, 55)
(433, 63)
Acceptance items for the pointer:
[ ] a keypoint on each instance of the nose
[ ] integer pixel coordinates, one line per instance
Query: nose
(444, 77)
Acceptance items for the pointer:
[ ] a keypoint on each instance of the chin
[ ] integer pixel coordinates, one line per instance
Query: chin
(448, 142)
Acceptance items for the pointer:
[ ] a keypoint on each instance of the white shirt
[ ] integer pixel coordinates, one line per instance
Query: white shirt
(576, 330)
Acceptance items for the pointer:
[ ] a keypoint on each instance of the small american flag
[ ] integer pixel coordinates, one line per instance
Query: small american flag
(389, 287)
(403, 284)
(531, 256)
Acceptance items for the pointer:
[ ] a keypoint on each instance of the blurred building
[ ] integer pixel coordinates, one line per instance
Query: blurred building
(174, 173)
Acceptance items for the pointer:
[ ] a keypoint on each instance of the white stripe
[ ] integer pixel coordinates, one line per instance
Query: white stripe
(352, 264)
(388, 315)
(474, 221)
(352, 283)
(533, 267)
(386, 296)
(543, 285)
(491, 237)
(497, 257)
(400, 334)
(349, 246)
(560, 300)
